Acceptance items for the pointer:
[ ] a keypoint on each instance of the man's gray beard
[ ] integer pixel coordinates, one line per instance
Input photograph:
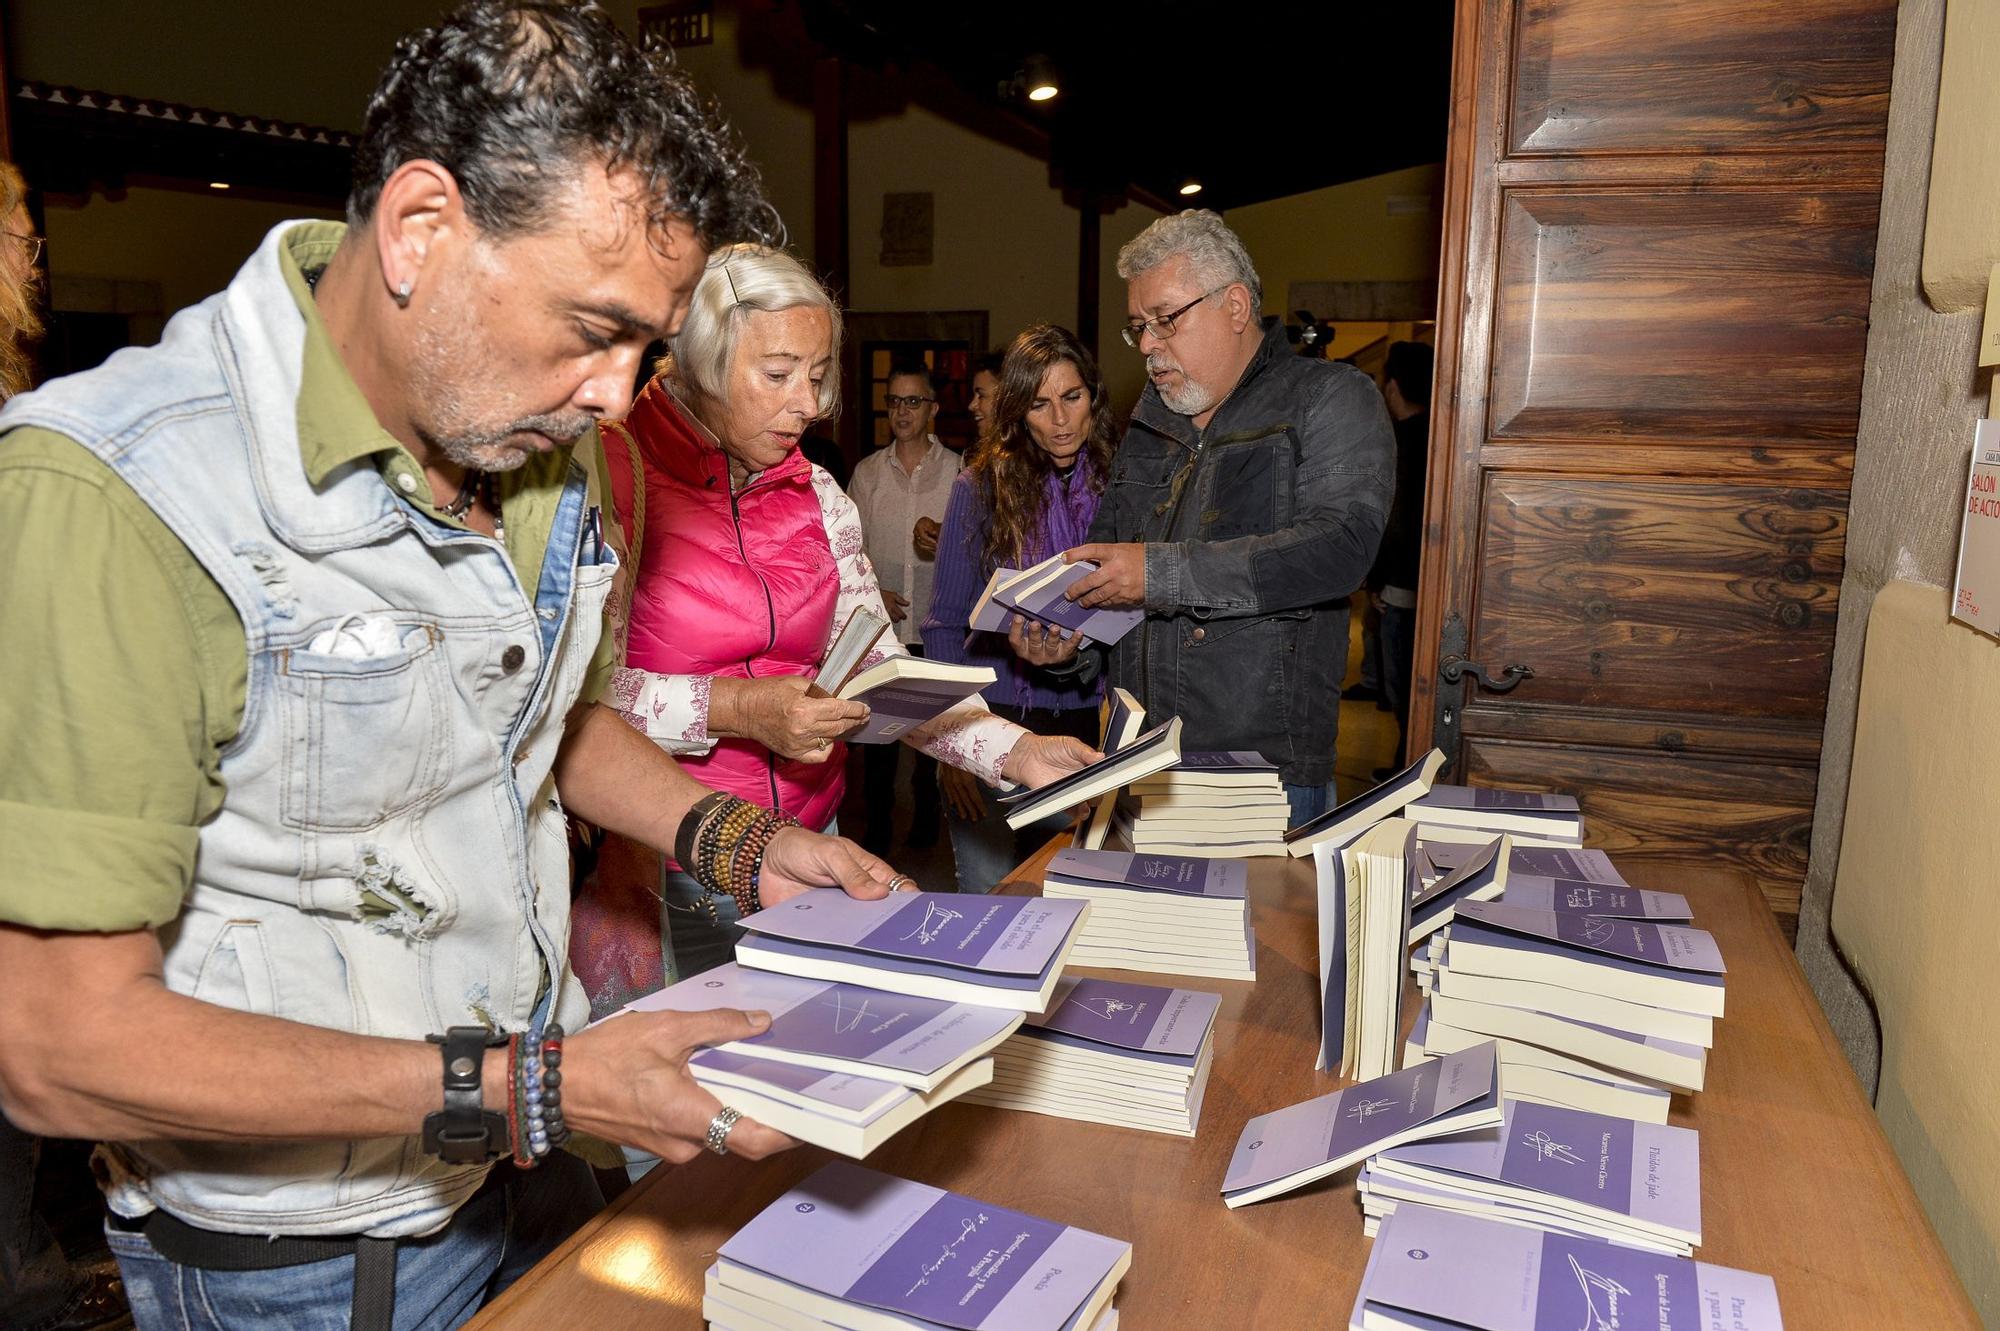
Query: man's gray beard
(488, 450)
(1190, 400)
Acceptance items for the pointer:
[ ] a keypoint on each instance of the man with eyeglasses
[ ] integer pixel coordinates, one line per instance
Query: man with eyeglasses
(1245, 504)
(901, 490)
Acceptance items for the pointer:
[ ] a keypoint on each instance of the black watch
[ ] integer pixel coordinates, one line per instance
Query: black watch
(465, 1132)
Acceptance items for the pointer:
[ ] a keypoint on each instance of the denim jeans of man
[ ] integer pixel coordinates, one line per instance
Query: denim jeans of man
(511, 1223)
(1399, 647)
(1309, 801)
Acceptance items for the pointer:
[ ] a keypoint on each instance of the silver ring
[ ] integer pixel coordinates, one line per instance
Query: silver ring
(899, 879)
(718, 1130)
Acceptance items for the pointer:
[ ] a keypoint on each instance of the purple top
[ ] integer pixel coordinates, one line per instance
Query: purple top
(962, 571)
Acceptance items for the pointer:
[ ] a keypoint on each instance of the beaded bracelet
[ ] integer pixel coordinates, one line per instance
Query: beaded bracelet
(535, 1121)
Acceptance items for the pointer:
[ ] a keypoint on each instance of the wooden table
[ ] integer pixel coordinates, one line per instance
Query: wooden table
(1797, 1178)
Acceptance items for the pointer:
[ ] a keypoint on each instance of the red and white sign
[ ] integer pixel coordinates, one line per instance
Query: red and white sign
(1977, 599)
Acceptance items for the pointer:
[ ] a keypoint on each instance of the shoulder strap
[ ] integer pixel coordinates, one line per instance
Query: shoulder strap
(630, 518)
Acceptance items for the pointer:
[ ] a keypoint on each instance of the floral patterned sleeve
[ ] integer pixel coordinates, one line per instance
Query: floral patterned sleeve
(968, 736)
(670, 710)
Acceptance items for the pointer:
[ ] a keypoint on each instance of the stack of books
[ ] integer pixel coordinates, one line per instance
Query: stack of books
(854, 1248)
(1364, 890)
(1451, 872)
(995, 951)
(1124, 722)
(1432, 1269)
(1131, 1055)
(1176, 914)
(1040, 593)
(1223, 805)
(1546, 1077)
(1635, 996)
(1638, 1184)
(1292, 1147)
(1534, 818)
(840, 1066)
(1342, 823)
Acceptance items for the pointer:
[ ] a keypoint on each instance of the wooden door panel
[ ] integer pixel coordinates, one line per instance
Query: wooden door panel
(1602, 329)
(1653, 298)
(1670, 806)
(1692, 76)
(1638, 596)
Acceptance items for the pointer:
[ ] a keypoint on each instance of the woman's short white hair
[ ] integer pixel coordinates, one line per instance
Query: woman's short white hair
(741, 278)
(1213, 251)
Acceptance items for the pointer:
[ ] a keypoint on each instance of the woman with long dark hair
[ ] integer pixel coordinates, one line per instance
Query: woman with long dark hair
(1030, 491)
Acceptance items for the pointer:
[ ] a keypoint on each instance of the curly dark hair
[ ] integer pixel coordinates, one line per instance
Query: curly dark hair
(514, 97)
(1008, 467)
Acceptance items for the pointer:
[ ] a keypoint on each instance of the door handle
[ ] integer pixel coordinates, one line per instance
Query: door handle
(1453, 669)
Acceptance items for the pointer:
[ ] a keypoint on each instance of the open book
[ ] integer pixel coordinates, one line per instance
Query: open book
(901, 692)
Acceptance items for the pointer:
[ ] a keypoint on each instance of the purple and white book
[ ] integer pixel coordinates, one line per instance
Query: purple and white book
(1635, 1176)
(1292, 1147)
(849, 1114)
(895, 709)
(989, 613)
(1044, 597)
(1588, 866)
(846, 1028)
(1158, 748)
(1572, 896)
(1477, 874)
(1432, 1269)
(1540, 813)
(1652, 1057)
(1001, 951)
(1129, 871)
(861, 1249)
(1343, 823)
(1667, 965)
(1157, 1023)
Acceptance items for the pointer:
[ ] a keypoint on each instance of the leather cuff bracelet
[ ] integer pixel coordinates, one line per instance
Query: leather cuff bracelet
(465, 1132)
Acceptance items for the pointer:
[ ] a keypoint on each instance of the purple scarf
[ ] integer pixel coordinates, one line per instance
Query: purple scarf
(1069, 505)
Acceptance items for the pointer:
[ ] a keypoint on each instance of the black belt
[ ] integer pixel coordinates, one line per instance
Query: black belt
(374, 1304)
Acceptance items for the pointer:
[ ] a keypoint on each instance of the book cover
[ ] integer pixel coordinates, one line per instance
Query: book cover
(1181, 875)
(857, 1099)
(1479, 799)
(907, 1037)
(1674, 946)
(856, 1236)
(900, 706)
(989, 613)
(1158, 748)
(1649, 1173)
(1434, 1268)
(1044, 598)
(1342, 823)
(1329, 1132)
(1590, 866)
(1146, 1018)
(1571, 896)
(1234, 760)
(999, 935)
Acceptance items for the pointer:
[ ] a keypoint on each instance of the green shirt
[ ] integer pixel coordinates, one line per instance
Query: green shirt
(125, 662)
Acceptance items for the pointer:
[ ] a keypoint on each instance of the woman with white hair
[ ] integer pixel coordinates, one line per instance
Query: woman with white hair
(745, 558)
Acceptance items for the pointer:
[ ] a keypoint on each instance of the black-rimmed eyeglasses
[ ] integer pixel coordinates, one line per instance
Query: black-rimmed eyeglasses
(1162, 325)
(912, 402)
(34, 244)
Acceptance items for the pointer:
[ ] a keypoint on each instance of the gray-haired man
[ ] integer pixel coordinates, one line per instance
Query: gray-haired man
(1246, 502)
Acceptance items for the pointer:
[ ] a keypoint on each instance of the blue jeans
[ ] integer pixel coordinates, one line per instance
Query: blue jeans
(1399, 650)
(441, 1280)
(985, 850)
(1309, 801)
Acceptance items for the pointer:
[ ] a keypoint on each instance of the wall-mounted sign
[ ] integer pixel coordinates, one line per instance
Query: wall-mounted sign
(1977, 597)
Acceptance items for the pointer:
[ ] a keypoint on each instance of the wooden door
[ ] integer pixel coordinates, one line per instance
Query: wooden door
(1659, 236)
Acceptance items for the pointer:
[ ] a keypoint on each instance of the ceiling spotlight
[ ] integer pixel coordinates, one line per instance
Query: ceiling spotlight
(1190, 187)
(1038, 76)
(218, 184)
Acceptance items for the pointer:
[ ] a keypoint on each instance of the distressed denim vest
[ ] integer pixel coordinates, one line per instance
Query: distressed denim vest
(390, 858)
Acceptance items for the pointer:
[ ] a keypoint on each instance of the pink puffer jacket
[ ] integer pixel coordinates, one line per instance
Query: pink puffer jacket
(735, 586)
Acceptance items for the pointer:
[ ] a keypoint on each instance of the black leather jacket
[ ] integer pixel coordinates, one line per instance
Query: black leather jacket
(1256, 529)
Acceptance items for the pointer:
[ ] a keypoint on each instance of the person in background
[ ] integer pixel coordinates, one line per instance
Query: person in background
(747, 561)
(40, 1288)
(985, 388)
(1030, 490)
(1392, 583)
(1245, 505)
(900, 490)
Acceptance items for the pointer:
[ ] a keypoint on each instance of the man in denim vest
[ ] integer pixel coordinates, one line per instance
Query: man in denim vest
(1245, 504)
(300, 612)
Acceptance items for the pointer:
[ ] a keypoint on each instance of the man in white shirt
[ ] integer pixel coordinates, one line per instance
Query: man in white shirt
(901, 491)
